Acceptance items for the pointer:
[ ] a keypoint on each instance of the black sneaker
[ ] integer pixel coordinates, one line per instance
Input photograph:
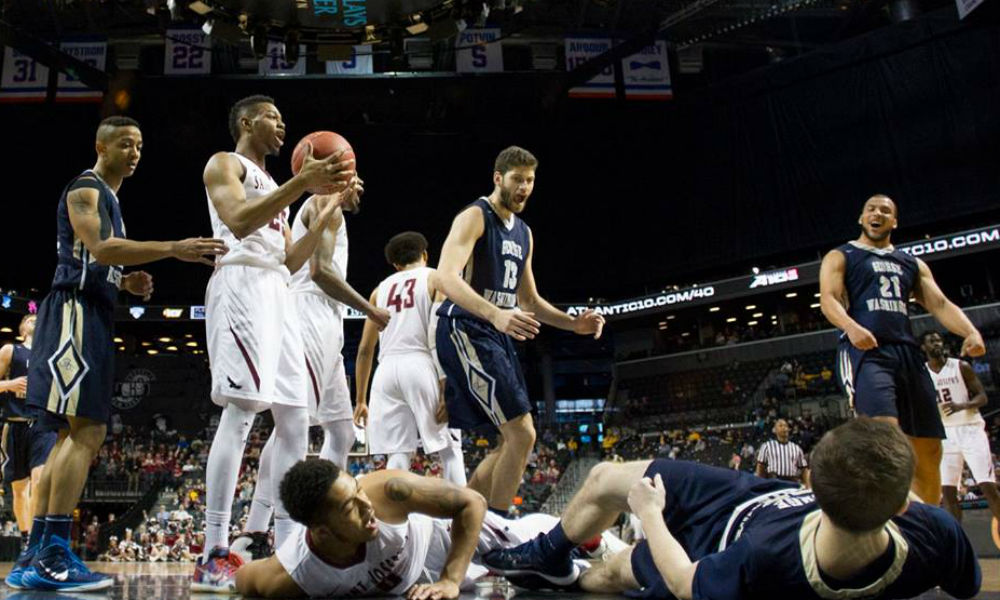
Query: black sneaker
(252, 545)
(528, 566)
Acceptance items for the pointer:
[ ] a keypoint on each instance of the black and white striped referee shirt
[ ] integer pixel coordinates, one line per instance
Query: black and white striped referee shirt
(782, 460)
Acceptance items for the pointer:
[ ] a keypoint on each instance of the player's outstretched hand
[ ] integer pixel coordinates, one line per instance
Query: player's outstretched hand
(333, 174)
(199, 250)
(973, 345)
(516, 323)
(433, 591)
(138, 283)
(861, 338)
(361, 415)
(380, 317)
(647, 494)
(589, 322)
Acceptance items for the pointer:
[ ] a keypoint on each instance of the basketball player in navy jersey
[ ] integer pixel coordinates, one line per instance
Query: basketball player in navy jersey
(23, 453)
(865, 286)
(485, 271)
(716, 533)
(72, 366)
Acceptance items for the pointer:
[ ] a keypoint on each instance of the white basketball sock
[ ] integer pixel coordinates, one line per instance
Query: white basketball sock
(291, 439)
(223, 471)
(398, 460)
(262, 504)
(338, 437)
(454, 464)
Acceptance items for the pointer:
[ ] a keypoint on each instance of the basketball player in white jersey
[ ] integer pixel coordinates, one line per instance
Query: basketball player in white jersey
(387, 533)
(406, 397)
(251, 333)
(319, 293)
(960, 395)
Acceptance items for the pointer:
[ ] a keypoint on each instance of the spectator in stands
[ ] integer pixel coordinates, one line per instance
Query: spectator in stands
(91, 537)
(114, 553)
(159, 551)
(180, 551)
(782, 458)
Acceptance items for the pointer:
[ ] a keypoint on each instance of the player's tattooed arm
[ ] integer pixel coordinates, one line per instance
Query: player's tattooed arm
(466, 508)
(85, 218)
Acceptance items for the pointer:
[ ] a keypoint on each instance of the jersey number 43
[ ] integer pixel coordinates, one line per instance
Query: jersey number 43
(396, 297)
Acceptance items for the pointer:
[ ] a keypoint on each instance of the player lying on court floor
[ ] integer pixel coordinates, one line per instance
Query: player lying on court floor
(721, 534)
(387, 533)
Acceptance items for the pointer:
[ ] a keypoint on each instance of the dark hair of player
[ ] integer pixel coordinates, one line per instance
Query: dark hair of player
(514, 156)
(405, 248)
(304, 489)
(109, 124)
(861, 473)
(241, 109)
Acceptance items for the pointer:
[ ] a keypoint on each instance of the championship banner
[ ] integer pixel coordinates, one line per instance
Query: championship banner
(646, 73)
(187, 52)
(579, 51)
(24, 79)
(360, 63)
(95, 54)
(479, 51)
(274, 65)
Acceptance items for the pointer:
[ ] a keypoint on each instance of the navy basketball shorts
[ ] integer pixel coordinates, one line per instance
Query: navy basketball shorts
(72, 364)
(891, 381)
(22, 449)
(700, 502)
(485, 387)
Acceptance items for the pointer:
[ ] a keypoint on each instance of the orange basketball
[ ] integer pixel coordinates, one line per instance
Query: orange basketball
(324, 144)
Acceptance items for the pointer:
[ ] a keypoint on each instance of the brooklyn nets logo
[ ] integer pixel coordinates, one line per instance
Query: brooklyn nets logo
(130, 392)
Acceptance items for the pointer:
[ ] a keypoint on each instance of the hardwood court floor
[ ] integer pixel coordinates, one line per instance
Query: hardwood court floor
(169, 581)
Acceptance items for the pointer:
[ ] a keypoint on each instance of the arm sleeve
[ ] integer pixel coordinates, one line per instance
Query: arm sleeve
(726, 575)
(84, 183)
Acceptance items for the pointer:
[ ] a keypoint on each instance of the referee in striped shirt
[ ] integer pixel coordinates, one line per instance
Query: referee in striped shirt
(782, 458)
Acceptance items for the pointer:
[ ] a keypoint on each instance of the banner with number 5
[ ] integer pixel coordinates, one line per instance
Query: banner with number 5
(187, 52)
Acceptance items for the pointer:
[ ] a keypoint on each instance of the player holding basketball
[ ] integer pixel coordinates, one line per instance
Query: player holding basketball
(319, 291)
(72, 368)
(23, 453)
(405, 394)
(485, 271)
(253, 336)
(864, 287)
(719, 533)
(960, 395)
